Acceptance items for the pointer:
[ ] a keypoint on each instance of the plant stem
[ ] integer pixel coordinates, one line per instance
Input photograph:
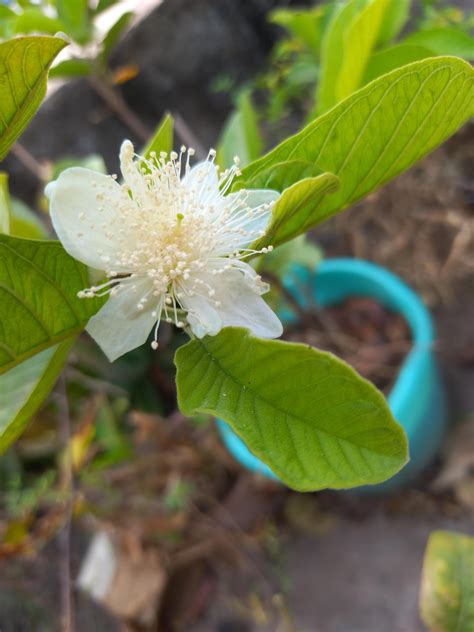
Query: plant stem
(108, 92)
(67, 613)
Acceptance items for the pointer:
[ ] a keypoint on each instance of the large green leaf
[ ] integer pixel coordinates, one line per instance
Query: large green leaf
(39, 306)
(394, 57)
(24, 388)
(24, 64)
(444, 41)
(377, 133)
(447, 588)
(241, 135)
(305, 413)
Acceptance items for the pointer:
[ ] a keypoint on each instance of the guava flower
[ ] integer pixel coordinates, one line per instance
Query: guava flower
(171, 247)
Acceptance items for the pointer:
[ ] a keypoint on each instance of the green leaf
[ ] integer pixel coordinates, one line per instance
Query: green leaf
(5, 204)
(24, 388)
(347, 46)
(444, 41)
(359, 42)
(332, 51)
(377, 133)
(305, 413)
(163, 137)
(105, 4)
(75, 16)
(305, 25)
(241, 135)
(39, 306)
(297, 210)
(35, 21)
(24, 64)
(114, 33)
(72, 68)
(394, 57)
(447, 587)
(395, 18)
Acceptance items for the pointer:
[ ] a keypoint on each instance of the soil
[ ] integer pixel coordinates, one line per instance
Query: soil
(361, 331)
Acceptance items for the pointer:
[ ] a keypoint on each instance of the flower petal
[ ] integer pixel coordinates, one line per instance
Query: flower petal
(202, 316)
(203, 181)
(83, 206)
(236, 302)
(120, 326)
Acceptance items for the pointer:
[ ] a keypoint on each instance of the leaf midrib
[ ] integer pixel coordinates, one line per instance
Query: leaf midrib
(278, 409)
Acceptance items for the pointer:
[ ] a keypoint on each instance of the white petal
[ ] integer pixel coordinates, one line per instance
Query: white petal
(237, 292)
(254, 224)
(242, 306)
(85, 224)
(202, 316)
(203, 180)
(120, 326)
(131, 173)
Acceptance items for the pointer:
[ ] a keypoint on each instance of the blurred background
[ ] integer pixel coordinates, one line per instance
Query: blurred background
(194, 541)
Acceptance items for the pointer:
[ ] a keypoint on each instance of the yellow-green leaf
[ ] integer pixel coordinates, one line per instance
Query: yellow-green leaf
(24, 64)
(447, 586)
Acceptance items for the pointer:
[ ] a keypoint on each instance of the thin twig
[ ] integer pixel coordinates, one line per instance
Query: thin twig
(39, 170)
(67, 613)
(114, 99)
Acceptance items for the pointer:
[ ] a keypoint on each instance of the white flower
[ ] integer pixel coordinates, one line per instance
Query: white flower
(169, 246)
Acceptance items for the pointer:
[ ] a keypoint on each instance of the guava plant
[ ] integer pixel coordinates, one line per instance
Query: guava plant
(173, 239)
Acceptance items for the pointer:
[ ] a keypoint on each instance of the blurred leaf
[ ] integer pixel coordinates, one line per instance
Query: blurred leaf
(395, 18)
(25, 223)
(35, 21)
(5, 205)
(333, 51)
(447, 586)
(24, 388)
(7, 20)
(444, 41)
(94, 162)
(394, 57)
(105, 4)
(25, 62)
(305, 25)
(163, 137)
(122, 74)
(72, 68)
(116, 447)
(39, 306)
(241, 135)
(114, 33)
(375, 134)
(75, 16)
(303, 412)
(359, 41)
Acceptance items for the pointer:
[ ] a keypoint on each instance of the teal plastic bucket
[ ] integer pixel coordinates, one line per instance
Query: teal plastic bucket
(417, 399)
